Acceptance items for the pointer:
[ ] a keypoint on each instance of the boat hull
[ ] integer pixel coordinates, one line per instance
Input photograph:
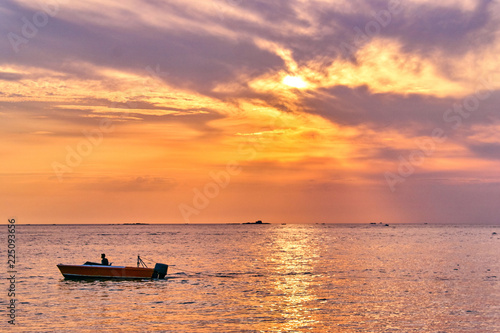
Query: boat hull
(104, 272)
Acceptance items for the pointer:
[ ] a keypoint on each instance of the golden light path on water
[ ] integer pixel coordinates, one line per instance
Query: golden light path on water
(293, 259)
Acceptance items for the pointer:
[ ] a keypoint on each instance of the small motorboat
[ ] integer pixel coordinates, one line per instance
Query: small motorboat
(91, 270)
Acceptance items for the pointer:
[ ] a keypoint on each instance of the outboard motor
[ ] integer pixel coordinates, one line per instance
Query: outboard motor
(160, 271)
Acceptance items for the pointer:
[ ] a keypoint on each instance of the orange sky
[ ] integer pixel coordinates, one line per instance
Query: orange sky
(233, 111)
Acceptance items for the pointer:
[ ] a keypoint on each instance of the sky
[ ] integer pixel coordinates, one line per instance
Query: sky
(215, 111)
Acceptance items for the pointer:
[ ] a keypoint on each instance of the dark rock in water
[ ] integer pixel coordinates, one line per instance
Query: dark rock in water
(256, 222)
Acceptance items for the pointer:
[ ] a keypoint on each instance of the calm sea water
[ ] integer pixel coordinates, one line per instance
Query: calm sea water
(261, 278)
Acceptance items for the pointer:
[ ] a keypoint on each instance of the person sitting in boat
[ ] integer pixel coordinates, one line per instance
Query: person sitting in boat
(104, 260)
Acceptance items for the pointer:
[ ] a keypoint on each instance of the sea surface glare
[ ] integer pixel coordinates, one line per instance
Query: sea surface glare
(260, 278)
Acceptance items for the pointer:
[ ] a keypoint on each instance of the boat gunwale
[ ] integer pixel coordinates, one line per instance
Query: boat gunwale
(105, 266)
(106, 277)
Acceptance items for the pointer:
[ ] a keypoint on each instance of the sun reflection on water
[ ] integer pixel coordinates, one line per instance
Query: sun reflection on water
(293, 263)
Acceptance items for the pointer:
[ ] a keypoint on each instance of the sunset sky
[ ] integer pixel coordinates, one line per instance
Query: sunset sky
(286, 111)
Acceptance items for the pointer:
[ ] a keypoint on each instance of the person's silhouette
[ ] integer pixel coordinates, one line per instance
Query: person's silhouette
(104, 260)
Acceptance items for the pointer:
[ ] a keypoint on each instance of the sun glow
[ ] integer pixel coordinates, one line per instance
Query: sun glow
(295, 82)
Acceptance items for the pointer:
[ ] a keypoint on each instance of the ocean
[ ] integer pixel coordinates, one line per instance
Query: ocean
(259, 278)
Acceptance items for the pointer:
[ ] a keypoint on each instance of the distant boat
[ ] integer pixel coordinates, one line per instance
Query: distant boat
(91, 270)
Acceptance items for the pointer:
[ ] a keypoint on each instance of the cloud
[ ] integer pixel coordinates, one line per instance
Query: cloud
(201, 48)
(137, 184)
(413, 114)
(488, 150)
(192, 60)
(5, 76)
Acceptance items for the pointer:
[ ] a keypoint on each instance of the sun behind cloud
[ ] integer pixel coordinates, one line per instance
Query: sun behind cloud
(295, 82)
